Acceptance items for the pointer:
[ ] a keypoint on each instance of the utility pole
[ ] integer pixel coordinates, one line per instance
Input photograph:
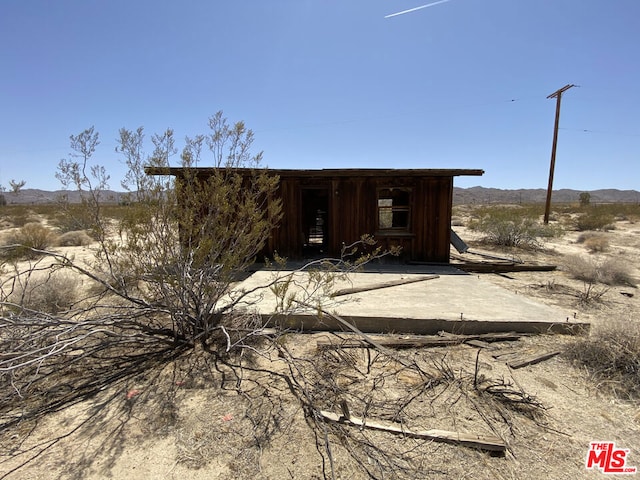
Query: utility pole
(558, 96)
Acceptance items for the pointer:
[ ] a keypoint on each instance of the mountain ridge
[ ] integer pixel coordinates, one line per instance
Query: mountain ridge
(470, 195)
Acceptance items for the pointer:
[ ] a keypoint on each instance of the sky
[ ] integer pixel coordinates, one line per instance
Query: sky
(331, 84)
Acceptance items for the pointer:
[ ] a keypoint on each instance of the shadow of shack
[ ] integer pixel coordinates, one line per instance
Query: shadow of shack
(323, 210)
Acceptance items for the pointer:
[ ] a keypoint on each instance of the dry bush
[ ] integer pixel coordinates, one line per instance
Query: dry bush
(608, 271)
(594, 243)
(425, 387)
(611, 354)
(27, 238)
(75, 238)
(583, 237)
(53, 294)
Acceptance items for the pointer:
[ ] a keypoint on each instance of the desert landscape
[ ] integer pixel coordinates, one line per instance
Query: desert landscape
(467, 407)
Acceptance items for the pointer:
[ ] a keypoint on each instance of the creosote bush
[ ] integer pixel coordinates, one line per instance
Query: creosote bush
(594, 218)
(161, 288)
(512, 227)
(75, 217)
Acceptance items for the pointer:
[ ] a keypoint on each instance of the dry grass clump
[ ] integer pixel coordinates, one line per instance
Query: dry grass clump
(53, 294)
(75, 238)
(611, 354)
(592, 270)
(26, 238)
(594, 242)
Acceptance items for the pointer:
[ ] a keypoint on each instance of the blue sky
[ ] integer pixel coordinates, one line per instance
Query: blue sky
(332, 83)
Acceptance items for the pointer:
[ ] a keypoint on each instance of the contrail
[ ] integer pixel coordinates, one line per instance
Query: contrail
(417, 8)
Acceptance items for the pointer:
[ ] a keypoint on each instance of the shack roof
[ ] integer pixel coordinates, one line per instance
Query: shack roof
(329, 172)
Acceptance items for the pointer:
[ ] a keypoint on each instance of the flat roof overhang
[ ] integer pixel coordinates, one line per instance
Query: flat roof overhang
(328, 173)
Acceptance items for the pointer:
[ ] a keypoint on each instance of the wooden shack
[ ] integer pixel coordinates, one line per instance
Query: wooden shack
(326, 209)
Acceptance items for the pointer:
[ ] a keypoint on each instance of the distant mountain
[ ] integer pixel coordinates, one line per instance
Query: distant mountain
(31, 196)
(539, 195)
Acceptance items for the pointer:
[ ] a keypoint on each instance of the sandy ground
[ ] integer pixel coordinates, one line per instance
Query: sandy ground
(191, 420)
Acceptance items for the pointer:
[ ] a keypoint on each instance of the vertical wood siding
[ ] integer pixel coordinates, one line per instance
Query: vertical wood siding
(353, 211)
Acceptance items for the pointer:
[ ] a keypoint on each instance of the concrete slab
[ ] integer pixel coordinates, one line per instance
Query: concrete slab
(454, 302)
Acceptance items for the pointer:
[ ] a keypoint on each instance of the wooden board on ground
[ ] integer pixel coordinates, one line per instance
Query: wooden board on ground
(482, 442)
(413, 341)
(502, 267)
(531, 359)
(478, 343)
(377, 286)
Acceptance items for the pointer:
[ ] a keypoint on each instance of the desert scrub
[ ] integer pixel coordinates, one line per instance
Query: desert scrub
(74, 217)
(593, 242)
(75, 238)
(22, 242)
(592, 270)
(611, 354)
(19, 215)
(51, 294)
(512, 227)
(594, 218)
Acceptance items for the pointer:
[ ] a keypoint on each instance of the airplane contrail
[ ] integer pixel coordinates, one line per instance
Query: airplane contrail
(416, 8)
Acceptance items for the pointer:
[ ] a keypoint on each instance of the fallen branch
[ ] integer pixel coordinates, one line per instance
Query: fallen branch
(482, 442)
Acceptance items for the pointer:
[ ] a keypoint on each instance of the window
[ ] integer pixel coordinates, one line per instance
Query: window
(393, 209)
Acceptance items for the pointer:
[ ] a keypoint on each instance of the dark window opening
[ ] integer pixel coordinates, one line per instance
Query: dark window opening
(393, 209)
(315, 205)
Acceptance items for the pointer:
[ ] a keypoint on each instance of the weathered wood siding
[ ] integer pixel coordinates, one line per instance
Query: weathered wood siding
(353, 211)
(350, 198)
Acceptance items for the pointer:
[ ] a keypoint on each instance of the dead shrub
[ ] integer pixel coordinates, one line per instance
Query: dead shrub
(596, 244)
(611, 354)
(75, 238)
(583, 237)
(53, 294)
(608, 271)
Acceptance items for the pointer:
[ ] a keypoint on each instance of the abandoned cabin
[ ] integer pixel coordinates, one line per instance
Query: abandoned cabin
(326, 209)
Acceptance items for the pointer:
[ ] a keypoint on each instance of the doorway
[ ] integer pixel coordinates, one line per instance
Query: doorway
(315, 224)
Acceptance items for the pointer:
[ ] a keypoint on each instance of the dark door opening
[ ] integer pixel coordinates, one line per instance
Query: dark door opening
(315, 225)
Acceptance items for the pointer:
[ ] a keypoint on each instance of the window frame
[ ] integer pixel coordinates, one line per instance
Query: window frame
(393, 208)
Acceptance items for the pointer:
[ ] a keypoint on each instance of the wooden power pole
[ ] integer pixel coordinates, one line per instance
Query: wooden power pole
(558, 96)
